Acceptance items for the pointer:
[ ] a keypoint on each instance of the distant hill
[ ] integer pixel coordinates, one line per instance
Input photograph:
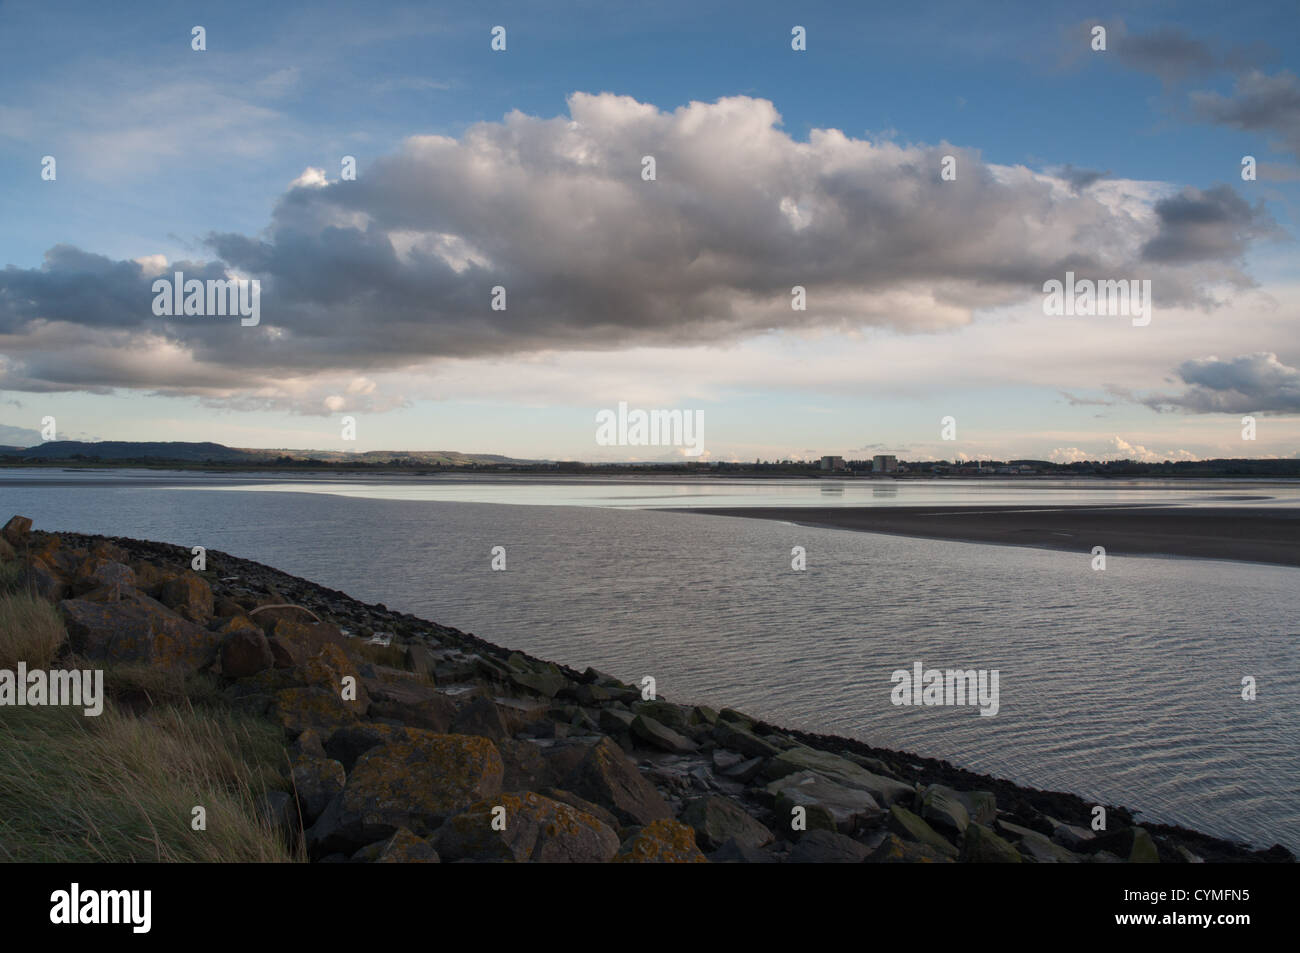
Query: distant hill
(119, 451)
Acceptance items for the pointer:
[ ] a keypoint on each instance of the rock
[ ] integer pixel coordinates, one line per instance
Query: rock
(416, 784)
(911, 827)
(582, 804)
(840, 770)
(44, 580)
(661, 842)
(15, 532)
(331, 669)
(141, 630)
(297, 709)
(666, 713)
(149, 577)
(828, 805)
(226, 608)
(943, 810)
(828, 847)
(520, 713)
(1036, 846)
(615, 721)
(316, 781)
(189, 594)
(481, 717)
(245, 652)
(97, 573)
(735, 736)
(606, 777)
(981, 846)
(894, 850)
(717, 820)
(7, 552)
(745, 771)
(661, 736)
(732, 852)
(348, 743)
(536, 829)
(301, 640)
(405, 848)
(546, 684)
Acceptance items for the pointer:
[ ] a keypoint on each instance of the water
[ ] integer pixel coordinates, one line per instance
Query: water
(1122, 686)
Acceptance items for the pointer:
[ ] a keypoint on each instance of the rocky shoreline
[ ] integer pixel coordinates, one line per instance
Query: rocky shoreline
(411, 741)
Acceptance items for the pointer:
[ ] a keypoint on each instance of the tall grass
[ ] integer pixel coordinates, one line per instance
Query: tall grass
(122, 788)
(31, 631)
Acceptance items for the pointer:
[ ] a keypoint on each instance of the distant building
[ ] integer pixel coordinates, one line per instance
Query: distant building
(833, 463)
(884, 463)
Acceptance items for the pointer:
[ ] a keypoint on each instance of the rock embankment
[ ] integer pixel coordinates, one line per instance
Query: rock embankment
(410, 741)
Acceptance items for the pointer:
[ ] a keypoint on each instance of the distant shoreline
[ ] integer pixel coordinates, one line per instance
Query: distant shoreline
(1248, 534)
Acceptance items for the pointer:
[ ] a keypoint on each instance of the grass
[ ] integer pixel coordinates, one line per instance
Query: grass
(122, 788)
(11, 575)
(31, 631)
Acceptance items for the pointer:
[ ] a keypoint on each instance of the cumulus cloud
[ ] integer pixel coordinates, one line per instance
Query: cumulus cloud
(1207, 225)
(1251, 383)
(398, 267)
(1259, 103)
(1118, 449)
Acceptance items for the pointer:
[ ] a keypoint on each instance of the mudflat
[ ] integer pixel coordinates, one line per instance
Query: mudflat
(1251, 534)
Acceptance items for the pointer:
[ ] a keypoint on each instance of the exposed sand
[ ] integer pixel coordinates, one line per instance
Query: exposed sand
(1252, 534)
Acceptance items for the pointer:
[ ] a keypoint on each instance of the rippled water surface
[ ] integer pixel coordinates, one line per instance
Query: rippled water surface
(1123, 685)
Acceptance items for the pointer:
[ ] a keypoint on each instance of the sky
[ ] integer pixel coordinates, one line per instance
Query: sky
(922, 171)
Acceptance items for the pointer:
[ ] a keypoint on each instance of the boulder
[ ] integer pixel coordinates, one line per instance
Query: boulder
(140, 630)
(532, 828)
(606, 777)
(660, 736)
(1037, 847)
(717, 820)
(405, 848)
(416, 784)
(98, 573)
(245, 652)
(981, 846)
(481, 717)
(895, 850)
(316, 782)
(911, 827)
(297, 709)
(189, 594)
(44, 580)
(942, 809)
(737, 737)
(300, 640)
(15, 532)
(661, 842)
(348, 743)
(840, 770)
(827, 805)
(828, 847)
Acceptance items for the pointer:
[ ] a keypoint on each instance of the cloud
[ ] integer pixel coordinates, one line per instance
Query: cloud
(1207, 225)
(1079, 179)
(18, 436)
(397, 268)
(1251, 383)
(1259, 103)
(1118, 449)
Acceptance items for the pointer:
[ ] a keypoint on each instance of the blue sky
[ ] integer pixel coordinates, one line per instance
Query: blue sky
(160, 147)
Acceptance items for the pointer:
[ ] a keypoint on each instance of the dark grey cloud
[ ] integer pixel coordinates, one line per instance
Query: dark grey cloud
(1259, 103)
(1214, 224)
(396, 268)
(1168, 52)
(1251, 383)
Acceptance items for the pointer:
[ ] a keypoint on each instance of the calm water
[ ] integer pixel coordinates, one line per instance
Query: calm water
(1122, 686)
